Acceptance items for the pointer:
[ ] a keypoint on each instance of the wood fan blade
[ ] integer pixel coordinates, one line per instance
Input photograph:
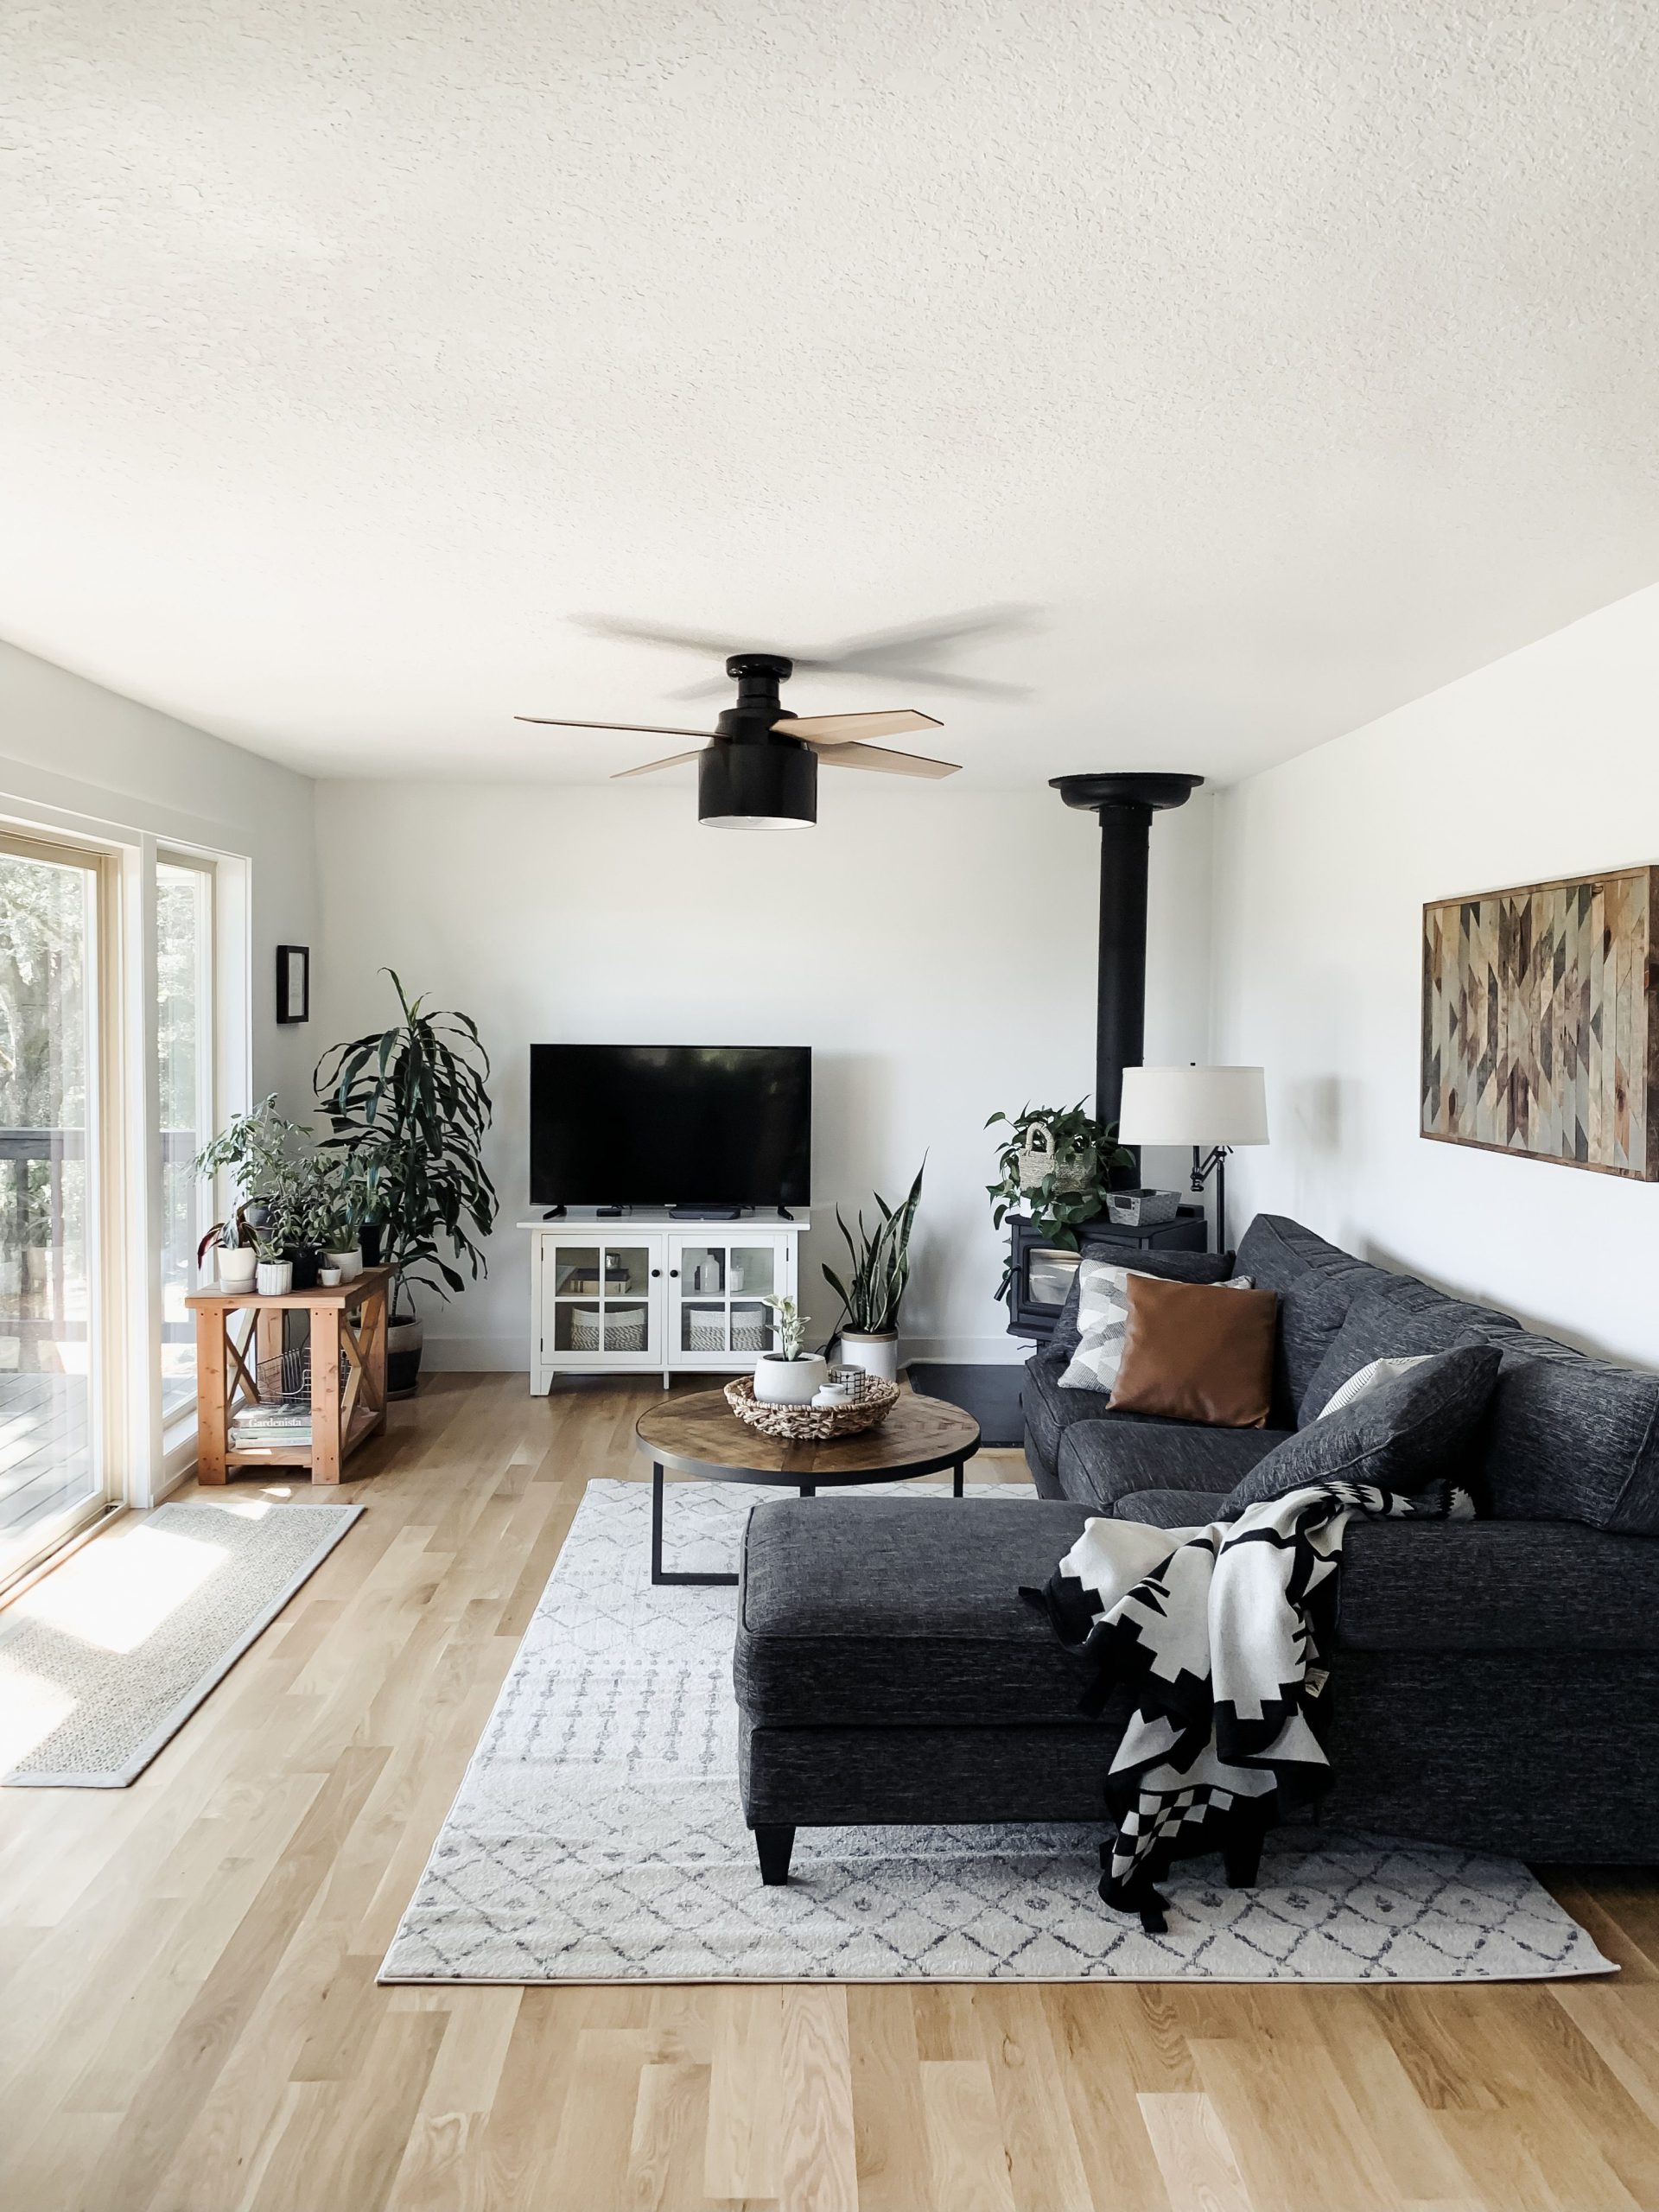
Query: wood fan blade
(846, 729)
(646, 767)
(882, 760)
(634, 729)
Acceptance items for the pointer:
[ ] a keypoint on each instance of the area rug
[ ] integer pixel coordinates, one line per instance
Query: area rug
(105, 1658)
(598, 1836)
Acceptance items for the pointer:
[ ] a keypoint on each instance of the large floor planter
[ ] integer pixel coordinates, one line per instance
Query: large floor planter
(403, 1342)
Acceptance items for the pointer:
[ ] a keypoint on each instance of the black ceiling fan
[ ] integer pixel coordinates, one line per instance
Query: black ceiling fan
(758, 768)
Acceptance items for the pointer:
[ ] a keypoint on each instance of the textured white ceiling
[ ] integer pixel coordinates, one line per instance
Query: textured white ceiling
(1292, 358)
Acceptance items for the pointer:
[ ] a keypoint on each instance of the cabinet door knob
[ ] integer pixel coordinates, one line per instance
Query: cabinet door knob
(673, 1271)
(655, 1273)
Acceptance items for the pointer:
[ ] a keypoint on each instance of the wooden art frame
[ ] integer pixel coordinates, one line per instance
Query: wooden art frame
(1540, 1021)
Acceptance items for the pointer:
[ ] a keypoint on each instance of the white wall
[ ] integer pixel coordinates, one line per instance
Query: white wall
(935, 948)
(71, 751)
(1543, 765)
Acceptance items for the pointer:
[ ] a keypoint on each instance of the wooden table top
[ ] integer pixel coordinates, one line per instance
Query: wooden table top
(342, 1293)
(702, 1435)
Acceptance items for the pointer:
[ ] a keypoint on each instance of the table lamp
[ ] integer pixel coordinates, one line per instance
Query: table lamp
(1210, 1108)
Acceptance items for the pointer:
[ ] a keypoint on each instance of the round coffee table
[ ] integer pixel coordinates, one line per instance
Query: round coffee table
(702, 1435)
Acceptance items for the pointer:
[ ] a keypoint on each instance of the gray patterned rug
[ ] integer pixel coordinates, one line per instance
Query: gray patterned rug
(597, 1837)
(107, 1656)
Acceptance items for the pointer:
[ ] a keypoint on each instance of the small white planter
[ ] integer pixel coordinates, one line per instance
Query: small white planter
(779, 1382)
(236, 1264)
(274, 1278)
(349, 1263)
(876, 1355)
(329, 1278)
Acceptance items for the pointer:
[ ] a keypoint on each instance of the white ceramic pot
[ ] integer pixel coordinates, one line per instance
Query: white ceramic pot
(236, 1264)
(349, 1263)
(329, 1278)
(274, 1278)
(779, 1382)
(876, 1355)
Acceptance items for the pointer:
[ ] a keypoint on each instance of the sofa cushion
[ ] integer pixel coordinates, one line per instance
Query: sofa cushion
(1198, 1352)
(1378, 1328)
(1104, 1320)
(1277, 1251)
(1170, 1267)
(1495, 1586)
(903, 1611)
(1573, 1439)
(1421, 1422)
(1101, 1463)
(1312, 1310)
(1172, 1509)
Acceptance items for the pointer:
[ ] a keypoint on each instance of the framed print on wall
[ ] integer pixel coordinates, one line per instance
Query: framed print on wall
(1540, 1021)
(293, 982)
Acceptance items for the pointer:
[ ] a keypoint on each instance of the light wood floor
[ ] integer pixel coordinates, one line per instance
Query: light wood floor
(189, 2018)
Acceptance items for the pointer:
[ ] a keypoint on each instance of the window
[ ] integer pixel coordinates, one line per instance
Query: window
(184, 1036)
(52, 1005)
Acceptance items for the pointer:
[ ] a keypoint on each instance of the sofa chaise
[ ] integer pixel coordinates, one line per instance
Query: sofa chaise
(1495, 1683)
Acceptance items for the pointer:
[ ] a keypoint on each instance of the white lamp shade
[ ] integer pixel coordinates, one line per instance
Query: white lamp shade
(1200, 1106)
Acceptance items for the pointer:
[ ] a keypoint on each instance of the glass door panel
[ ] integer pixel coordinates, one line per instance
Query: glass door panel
(575, 1271)
(51, 1471)
(752, 1270)
(184, 1003)
(703, 1328)
(751, 1327)
(627, 1271)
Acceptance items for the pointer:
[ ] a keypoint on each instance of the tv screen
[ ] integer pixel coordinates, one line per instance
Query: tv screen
(657, 1125)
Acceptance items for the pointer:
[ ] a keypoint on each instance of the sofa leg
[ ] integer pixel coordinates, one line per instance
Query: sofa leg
(774, 1844)
(1241, 1857)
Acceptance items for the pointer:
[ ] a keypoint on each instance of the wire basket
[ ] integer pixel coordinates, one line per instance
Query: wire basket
(287, 1379)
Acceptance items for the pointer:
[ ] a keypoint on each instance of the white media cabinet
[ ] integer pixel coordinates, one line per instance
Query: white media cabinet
(644, 1294)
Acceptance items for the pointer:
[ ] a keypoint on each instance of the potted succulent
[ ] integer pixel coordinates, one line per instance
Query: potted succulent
(409, 1108)
(875, 1284)
(253, 1152)
(333, 1221)
(790, 1376)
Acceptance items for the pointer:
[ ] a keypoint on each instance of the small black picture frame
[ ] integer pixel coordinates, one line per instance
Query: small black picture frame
(293, 982)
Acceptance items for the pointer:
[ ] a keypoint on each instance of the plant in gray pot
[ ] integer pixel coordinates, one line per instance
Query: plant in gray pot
(411, 1103)
(874, 1287)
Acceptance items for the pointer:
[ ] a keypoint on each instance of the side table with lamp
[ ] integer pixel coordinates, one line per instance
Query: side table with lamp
(1213, 1110)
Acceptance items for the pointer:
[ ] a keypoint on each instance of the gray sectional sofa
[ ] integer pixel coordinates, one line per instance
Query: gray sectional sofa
(1496, 1682)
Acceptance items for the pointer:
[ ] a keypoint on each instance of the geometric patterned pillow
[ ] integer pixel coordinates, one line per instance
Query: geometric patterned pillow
(1103, 1314)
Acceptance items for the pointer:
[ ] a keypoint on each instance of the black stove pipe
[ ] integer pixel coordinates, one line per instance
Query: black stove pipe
(1125, 805)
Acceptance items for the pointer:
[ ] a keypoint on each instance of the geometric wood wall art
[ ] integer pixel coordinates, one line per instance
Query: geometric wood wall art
(1540, 1021)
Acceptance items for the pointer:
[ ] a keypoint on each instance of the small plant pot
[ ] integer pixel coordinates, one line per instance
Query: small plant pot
(348, 1266)
(306, 1261)
(780, 1381)
(403, 1342)
(274, 1278)
(876, 1355)
(237, 1265)
(369, 1243)
(329, 1278)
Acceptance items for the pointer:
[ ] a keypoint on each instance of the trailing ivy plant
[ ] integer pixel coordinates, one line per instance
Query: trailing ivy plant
(1075, 1189)
(410, 1105)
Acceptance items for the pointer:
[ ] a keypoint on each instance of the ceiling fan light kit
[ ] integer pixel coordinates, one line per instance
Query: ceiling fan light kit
(760, 768)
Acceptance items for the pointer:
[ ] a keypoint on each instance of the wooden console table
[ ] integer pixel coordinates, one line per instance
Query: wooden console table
(349, 1319)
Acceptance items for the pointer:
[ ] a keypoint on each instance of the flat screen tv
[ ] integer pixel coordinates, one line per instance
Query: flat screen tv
(659, 1125)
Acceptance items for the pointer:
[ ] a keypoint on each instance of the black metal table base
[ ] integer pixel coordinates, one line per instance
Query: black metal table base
(659, 1573)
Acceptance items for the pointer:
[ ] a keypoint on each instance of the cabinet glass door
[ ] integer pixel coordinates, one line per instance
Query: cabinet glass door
(601, 1298)
(721, 1290)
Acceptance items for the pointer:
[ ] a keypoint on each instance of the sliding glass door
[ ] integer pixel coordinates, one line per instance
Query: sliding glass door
(52, 1456)
(184, 1036)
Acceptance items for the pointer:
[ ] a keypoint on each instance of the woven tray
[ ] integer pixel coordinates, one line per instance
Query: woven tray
(812, 1423)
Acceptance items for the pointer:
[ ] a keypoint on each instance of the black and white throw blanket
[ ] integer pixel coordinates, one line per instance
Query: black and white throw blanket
(1219, 1633)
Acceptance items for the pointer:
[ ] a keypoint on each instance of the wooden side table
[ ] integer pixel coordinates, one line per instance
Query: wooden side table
(351, 1318)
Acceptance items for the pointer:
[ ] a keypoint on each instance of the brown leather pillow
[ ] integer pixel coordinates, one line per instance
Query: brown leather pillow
(1198, 1352)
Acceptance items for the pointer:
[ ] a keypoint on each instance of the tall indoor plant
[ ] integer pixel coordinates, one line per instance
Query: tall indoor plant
(875, 1283)
(411, 1100)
